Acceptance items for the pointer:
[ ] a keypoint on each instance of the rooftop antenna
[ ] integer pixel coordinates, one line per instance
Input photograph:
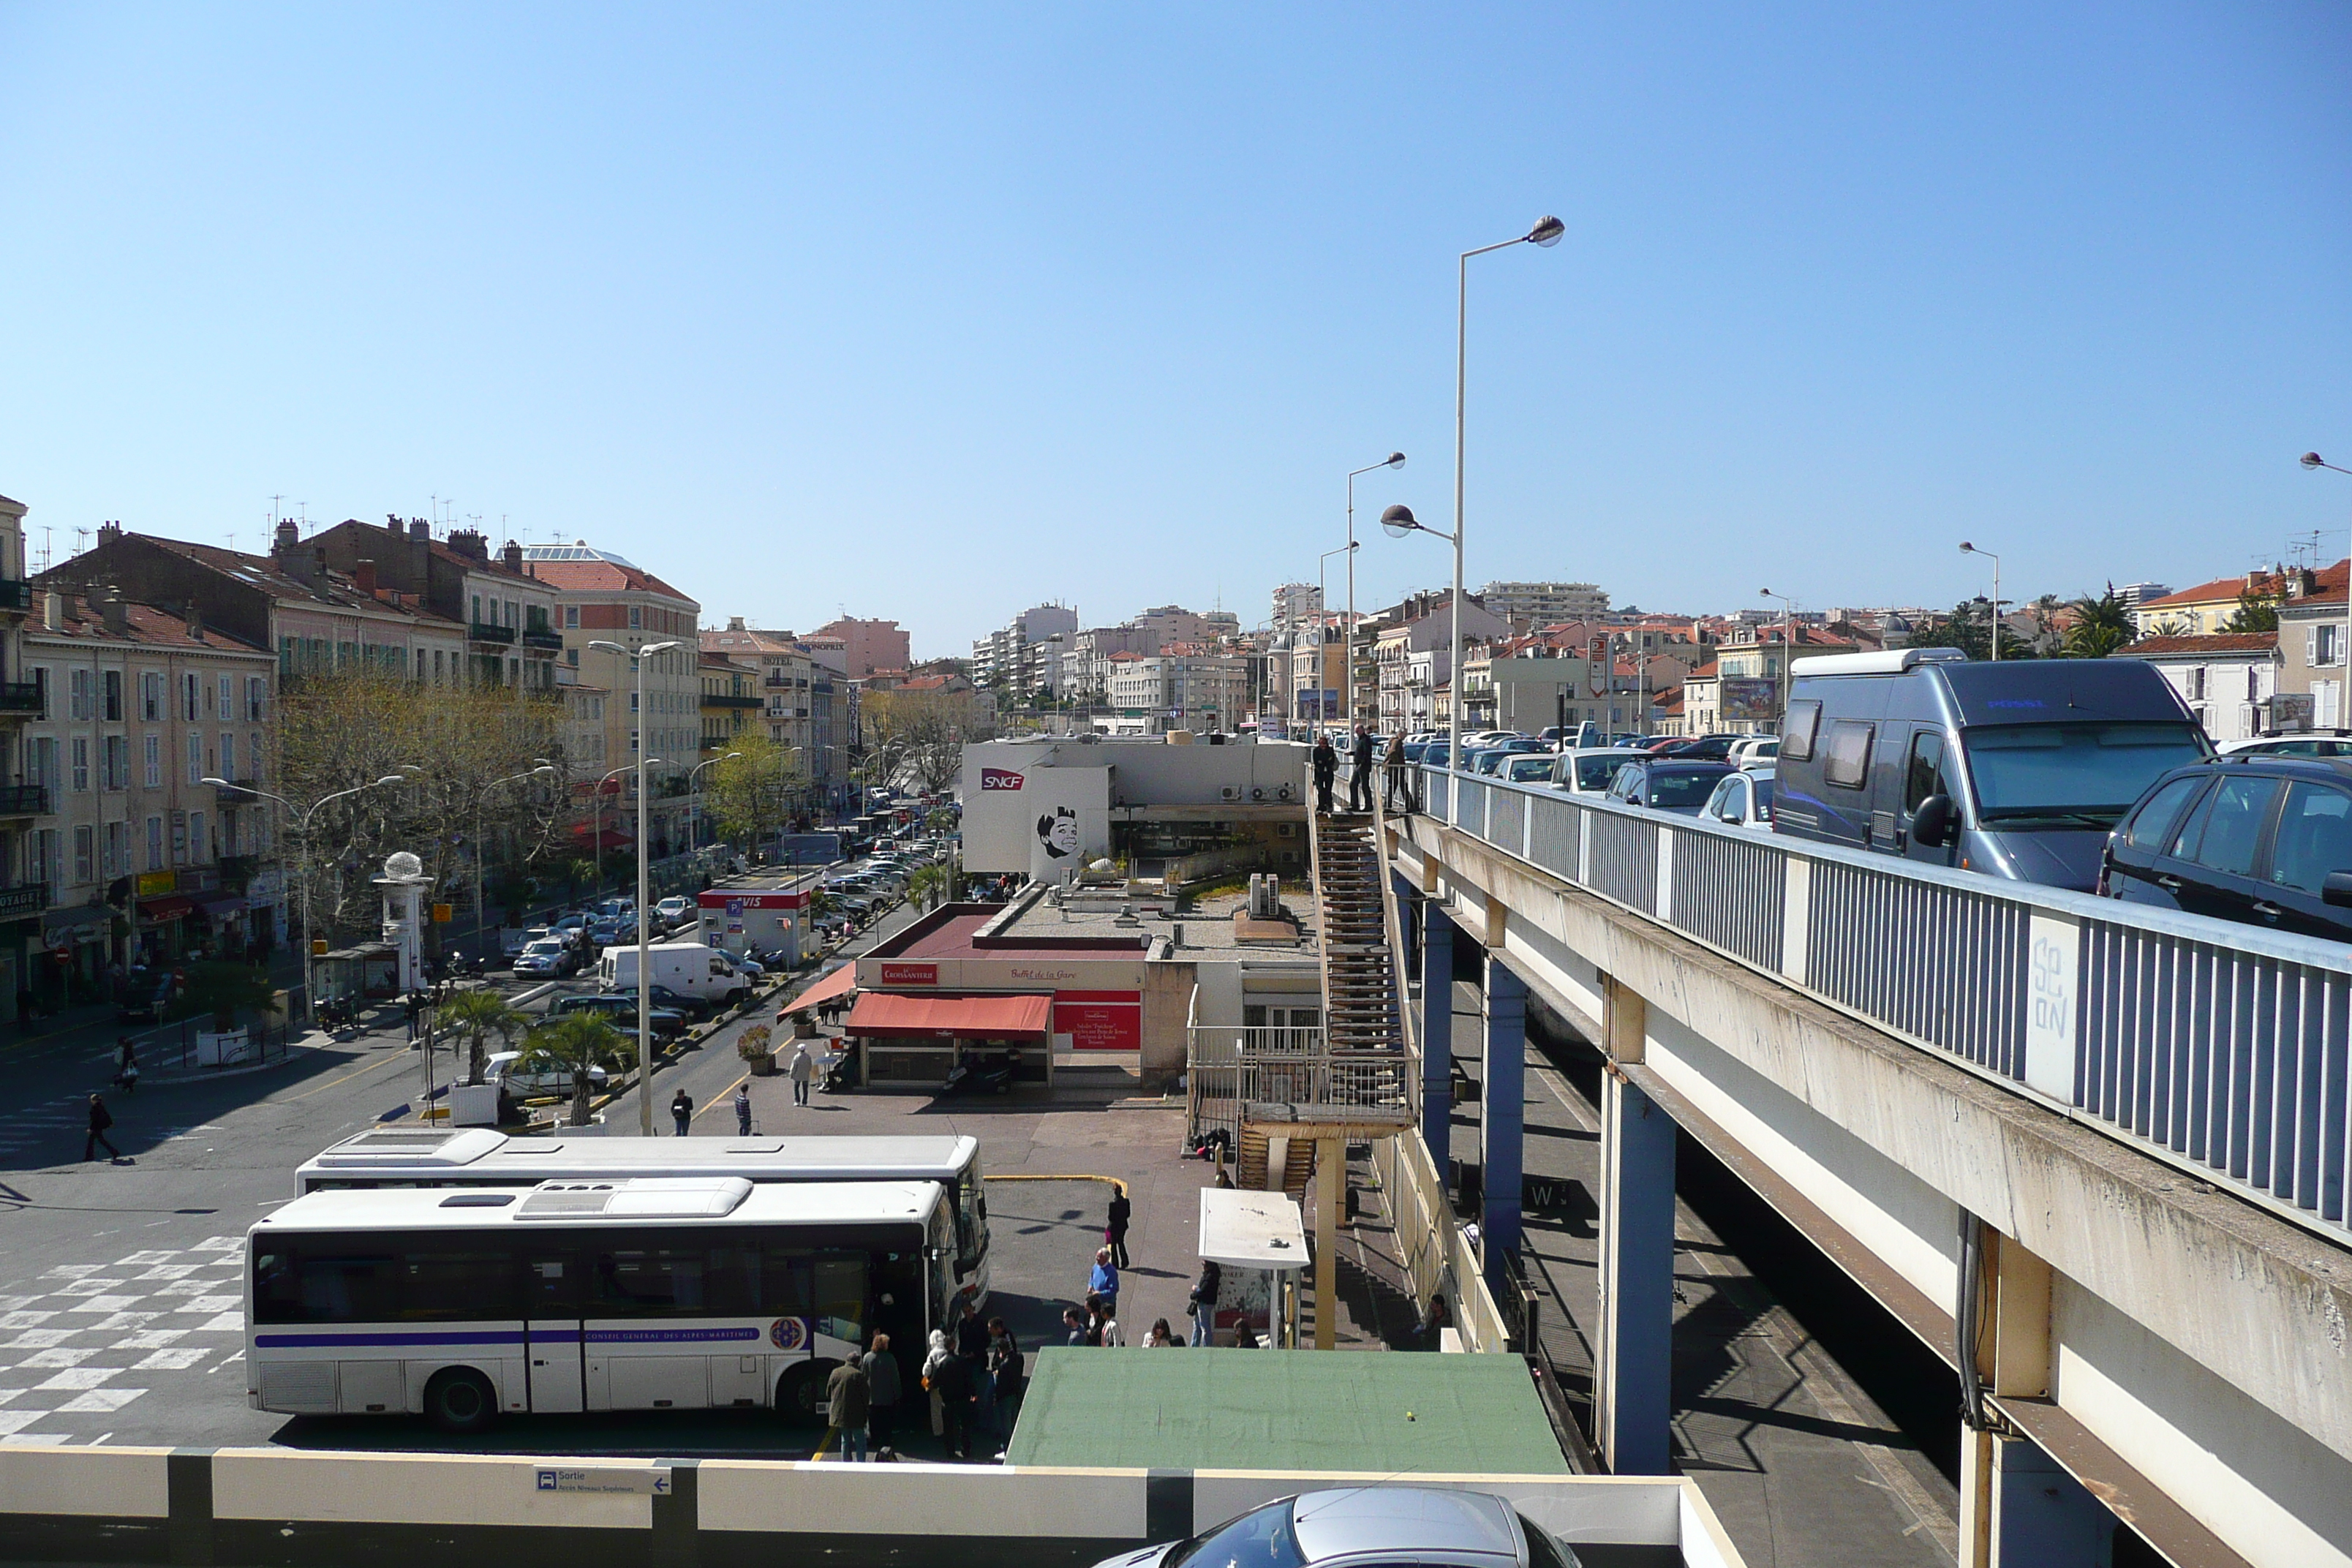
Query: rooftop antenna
(274, 503)
(79, 534)
(45, 529)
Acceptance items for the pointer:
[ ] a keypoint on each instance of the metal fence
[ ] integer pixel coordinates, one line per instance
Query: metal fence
(193, 1047)
(1228, 1066)
(2225, 1049)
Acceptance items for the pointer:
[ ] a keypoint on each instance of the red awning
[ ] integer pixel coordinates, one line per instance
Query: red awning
(840, 982)
(165, 909)
(886, 1015)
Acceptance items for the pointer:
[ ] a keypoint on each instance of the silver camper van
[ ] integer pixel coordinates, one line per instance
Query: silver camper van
(2015, 769)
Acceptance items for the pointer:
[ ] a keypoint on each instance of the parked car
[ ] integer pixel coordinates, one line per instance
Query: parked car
(1667, 784)
(2018, 769)
(1367, 1525)
(2260, 839)
(525, 1083)
(2335, 743)
(620, 1010)
(549, 957)
(1529, 767)
(1754, 750)
(697, 1008)
(1591, 770)
(144, 996)
(675, 908)
(1742, 800)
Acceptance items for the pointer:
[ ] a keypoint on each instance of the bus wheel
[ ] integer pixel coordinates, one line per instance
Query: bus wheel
(799, 1392)
(459, 1400)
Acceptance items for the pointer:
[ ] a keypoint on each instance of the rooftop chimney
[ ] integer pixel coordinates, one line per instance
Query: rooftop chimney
(467, 541)
(420, 529)
(364, 578)
(53, 611)
(112, 609)
(196, 620)
(735, 623)
(285, 537)
(108, 532)
(512, 557)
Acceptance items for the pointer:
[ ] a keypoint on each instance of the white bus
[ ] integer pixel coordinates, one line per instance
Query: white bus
(647, 1294)
(477, 1156)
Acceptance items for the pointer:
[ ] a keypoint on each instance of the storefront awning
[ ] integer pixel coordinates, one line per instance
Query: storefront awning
(88, 922)
(168, 908)
(838, 983)
(222, 904)
(885, 1016)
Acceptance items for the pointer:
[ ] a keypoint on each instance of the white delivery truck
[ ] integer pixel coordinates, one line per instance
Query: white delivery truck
(690, 968)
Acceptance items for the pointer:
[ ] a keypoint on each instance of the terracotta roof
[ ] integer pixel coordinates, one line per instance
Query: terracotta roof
(2228, 589)
(2216, 642)
(143, 624)
(493, 566)
(745, 641)
(263, 573)
(1707, 671)
(604, 576)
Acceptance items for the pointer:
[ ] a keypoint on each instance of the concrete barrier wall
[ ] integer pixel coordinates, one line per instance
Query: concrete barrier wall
(271, 1507)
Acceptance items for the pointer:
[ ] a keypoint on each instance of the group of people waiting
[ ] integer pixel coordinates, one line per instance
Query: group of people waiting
(1394, 762)
(972, 1376)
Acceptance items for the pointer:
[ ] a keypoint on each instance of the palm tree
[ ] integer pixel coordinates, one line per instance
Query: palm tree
(2101, 626)
(478, 1015)
(578, 1043)
(929, 887)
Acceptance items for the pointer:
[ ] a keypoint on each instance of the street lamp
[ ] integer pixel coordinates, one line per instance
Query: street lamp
(596, 804)
(694, 801)
(1347, 666)
(2313, 460)
(1788, 656)
(302, 839)
(1322, 602)
(541, 769)
(1968, 549)
(644, 939)
(1546, 233)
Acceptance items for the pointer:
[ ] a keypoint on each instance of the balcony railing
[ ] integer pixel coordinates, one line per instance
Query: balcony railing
(540, 636)
(482, 631)
(26, 900)
(20, 696)
(731, 700)
(16, 594)
(24, 800)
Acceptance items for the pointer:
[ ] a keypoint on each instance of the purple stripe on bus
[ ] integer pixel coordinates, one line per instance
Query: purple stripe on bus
(481, 1337)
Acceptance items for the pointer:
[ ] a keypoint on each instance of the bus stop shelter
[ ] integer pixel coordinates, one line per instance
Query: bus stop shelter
(1284, 1410)
(1258, 1230)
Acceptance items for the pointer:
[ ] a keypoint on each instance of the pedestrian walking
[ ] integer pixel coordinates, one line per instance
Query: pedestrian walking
(409, 1005)
(804, 1069)
(1400, 789)
(1115, 1232)
(1326, 769)
(743, 1110)
(1359, 779)
(1102, 1322)
(681, 1111)
(101, 1119)
(126, 1067)
(1103, 1281)
(882, 1392)
(1202, 1304)
(939, 1355)
(847, 1404)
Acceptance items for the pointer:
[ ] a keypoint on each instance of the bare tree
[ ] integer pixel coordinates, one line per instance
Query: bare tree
(918, 736)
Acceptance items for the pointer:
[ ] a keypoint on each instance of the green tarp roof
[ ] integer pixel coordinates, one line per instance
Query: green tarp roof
(1284, 1410)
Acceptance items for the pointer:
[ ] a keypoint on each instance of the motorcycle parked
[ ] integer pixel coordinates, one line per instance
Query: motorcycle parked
(977, 1075)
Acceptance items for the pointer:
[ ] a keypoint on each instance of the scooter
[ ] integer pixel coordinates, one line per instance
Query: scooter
(977, 1077)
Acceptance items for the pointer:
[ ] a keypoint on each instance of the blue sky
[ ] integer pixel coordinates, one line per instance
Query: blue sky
(936, 314)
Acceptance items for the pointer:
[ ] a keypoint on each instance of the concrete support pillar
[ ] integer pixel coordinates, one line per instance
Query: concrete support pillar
(1437, 1035)
(2019, 1509)
(1330, 1178)
(1502, 1117)
(1631, 1382)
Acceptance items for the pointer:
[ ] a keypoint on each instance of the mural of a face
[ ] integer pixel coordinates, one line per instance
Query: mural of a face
(1059, 832)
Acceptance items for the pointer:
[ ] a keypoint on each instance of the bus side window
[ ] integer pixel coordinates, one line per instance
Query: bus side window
(552, 1285)
(840, 1300)
(364, 1289)
(447, 1281)
(650, 1279)
(785, 1285)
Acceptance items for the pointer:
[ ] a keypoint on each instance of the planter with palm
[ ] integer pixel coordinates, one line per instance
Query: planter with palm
(476, 1016)
(578, 1044)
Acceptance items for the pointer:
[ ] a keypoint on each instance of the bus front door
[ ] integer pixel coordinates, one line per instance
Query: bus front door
(553, 1334)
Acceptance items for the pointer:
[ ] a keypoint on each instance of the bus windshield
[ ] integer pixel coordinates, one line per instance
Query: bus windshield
(2071, 774)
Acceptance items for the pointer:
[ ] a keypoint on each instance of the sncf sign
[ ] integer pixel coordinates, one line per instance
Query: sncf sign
(997, 778)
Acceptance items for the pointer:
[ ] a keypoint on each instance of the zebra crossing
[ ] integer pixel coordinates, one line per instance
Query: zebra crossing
(82, 1340)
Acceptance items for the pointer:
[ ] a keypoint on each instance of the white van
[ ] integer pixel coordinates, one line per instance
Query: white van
(688, 968)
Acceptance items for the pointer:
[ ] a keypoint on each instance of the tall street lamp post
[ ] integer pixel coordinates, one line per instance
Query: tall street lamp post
(596, 804)
(544, 769)
(644, 939)
(1968, 549)
(1348, 669)
(301, 819)
(1788, 631)
(2313, 460)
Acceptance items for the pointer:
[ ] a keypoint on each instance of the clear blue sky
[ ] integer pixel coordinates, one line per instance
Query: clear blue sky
(934, 314)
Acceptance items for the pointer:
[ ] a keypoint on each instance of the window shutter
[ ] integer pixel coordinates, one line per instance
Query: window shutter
(2311, 645)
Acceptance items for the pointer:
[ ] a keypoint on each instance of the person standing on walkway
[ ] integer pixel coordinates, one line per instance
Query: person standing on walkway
(681, 1111)
(1326, 769)
(1399, 792)
(881, 1398)
(1359, 781)
(1074, 1328)
(1202, 1303)
(951, 1385)
(847, 1404)
(939, 1355)
(1103, 1281)
(743, 1109)
(1004, 1371)
(101, 1119)
(1115, 1232)
(804, 1069)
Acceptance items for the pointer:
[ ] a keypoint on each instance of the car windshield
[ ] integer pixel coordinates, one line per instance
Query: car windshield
(1680, 788)
(1260, 1539)
(1594, 773)
(1524, 769)
(2085, 774)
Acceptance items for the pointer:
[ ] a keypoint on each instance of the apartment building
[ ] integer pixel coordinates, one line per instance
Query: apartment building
(1532, 605)
(22, 893)
(1195, 689)
(867, 646)
(731, 702)
(1295, 603)
(510, 616)
(1023, 659)
(144, 861)
(800, 697)
(604, 599)
(2228, 680)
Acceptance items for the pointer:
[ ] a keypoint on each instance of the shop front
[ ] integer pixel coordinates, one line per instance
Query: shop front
(919, 1039)
(1095, 983)
(74, 943)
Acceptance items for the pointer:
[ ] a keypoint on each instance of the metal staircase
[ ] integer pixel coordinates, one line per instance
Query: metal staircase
(1362, 1017)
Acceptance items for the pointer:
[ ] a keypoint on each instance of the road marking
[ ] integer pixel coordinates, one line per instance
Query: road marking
(321, 1088)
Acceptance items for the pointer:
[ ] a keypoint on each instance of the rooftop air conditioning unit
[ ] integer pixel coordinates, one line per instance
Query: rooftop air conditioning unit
(1258, 794)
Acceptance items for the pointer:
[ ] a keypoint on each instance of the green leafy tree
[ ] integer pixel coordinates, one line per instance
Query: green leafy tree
(578, 1044)
(2101, 626)
(476, 1016)
(220, 989)
(2255, 613)
(751, 795)
(930, 887)
(1967, 628)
